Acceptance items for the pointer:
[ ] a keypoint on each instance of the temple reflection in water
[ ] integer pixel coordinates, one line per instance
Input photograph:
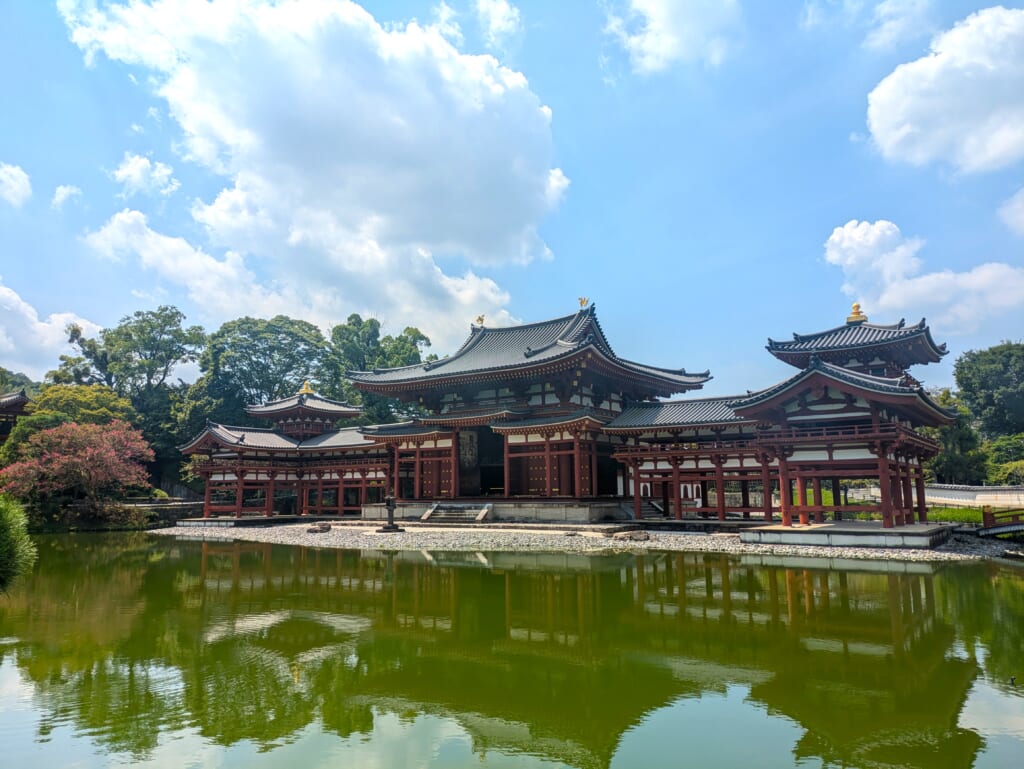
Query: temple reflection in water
(556, 656)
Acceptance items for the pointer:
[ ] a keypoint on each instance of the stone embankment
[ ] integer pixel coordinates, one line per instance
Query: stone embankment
(961, 547)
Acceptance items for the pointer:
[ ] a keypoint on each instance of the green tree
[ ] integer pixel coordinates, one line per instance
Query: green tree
(263, 360)
(136, 359)
(1006, 459)
(14, 381)
(57, 404)
(991, 385)
(962, 460)
(356, 345)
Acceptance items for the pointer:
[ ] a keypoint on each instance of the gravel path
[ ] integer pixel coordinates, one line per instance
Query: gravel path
(962, 547)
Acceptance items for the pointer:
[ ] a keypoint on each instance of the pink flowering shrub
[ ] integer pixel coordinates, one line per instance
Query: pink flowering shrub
(78, 462)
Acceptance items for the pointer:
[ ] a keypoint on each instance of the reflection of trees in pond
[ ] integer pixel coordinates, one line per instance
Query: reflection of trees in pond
(124, 706)
(253, 642)
(985, 603)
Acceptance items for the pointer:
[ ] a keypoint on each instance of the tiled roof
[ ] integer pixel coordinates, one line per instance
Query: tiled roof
(858, 335)
(493, 350)
(9, 400)
(876, 384)
(263, 438)
(350, 437)
(401, 429)
(549, 420)
(251, 437)
(699, 411)
(309, 401)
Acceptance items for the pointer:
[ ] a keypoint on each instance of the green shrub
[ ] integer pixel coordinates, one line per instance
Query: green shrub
(17, 551)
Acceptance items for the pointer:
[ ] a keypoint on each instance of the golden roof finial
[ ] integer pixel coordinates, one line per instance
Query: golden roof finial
(480, 320)
(584, 301)
(856, 316)
(306, 389)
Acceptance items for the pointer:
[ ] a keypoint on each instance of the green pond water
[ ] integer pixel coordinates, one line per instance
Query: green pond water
(137, 650)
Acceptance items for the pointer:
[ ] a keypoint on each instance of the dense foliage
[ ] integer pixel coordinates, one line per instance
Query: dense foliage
(991, 384)
(88, 464)
(58, 404)
(17, 552)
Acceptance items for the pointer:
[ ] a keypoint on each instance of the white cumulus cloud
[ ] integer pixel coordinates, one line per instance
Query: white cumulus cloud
(138, 175)
(15, 186)
(351, 154)
(31, 344)
(62, 194)
(659, 33)
(961, 104)
(499, 21)
(883, 271)
(1012, 212)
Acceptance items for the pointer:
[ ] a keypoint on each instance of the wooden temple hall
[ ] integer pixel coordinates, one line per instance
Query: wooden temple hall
(545, 422)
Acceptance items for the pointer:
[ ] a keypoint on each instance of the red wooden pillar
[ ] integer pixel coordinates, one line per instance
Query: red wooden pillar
(801, 499)
(922, 507)
(269, 511)
(300, 495)
(908, 498)
(577, 457)
(207, 495)
(593, 467)
(417, 473)
(720, 487)
(508, 468)
(547, 465)
(239, 482)
(454, 478)
(785, 492)
(897, 493)
(677, 498)
(745, 497)
(837, 498)
(766, 487)
(819, 514)
(885, 488)
(634, 466)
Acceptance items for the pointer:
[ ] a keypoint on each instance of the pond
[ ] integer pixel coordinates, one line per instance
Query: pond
(137, 650)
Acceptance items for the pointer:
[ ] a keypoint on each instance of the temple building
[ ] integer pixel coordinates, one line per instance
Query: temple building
(12, 406)
(544, 421)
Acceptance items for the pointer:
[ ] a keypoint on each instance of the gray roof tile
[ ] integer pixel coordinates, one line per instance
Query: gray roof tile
(698, 411)
(493, 350)
(854, 336)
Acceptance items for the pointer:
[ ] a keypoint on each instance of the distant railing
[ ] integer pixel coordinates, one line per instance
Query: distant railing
(990, 519)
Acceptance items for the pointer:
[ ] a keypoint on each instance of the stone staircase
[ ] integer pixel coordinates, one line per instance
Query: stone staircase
(648, 510)
(455, 513)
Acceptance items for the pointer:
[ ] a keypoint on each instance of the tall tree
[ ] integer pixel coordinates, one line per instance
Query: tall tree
(962, 460)
(991, 384)
(58, 404)
(135, 357)
(262, 360)
(356, 345)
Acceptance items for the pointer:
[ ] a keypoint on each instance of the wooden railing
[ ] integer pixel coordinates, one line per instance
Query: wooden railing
(990, 519)
(785, 435)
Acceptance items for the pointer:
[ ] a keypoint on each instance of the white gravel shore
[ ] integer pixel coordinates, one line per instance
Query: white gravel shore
(962, 547)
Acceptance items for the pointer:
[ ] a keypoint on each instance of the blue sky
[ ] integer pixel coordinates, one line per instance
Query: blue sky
(710, 173)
